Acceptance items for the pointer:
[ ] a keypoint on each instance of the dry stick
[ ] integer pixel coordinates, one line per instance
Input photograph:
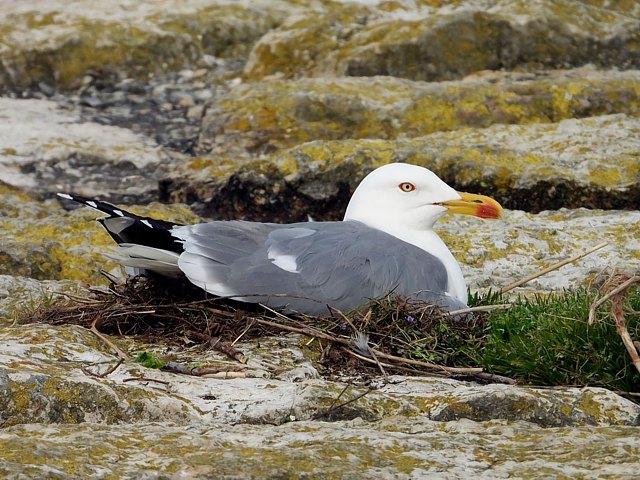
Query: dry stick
(370, 360)
(146, 379)
(615, 291)
(251, 324)
(210, 372)
(621, 327)
(316, 333)
(553, 267)
(104, 374)
(122, 355)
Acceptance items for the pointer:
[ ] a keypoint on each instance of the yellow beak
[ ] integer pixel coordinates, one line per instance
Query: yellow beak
(476, 205)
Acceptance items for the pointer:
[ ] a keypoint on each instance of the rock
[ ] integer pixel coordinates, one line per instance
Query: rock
(58, 44)
(47, 378)
(447, 42)
(496, 254)
(47, 149)
(19, 294)
(42, 379)
(397, 448)
(257, 118)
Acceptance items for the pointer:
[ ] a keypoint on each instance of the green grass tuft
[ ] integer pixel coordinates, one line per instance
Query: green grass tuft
(547, 341)
(149, 360)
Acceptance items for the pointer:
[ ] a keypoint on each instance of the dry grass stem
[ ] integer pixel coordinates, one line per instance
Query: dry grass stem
(553, 267)
(121, 355)
(481, 308)
(619, 289)
(616, 296)
(104, 374)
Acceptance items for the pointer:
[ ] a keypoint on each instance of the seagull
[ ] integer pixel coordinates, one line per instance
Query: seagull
(385, 244)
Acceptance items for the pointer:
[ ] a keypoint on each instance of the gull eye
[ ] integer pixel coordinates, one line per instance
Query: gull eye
(407, 187)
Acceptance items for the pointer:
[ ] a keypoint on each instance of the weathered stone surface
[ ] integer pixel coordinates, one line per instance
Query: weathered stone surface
(59, 44)
(495, 254)
(448, 41)
(42, 380)
(396, 448)
(257, 118)
(18, 293)
(46, 149)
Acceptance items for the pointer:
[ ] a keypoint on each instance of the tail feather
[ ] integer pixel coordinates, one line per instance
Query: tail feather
(144, 242)
(141, 259)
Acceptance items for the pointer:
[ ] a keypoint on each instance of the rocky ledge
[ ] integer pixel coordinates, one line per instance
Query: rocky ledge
(275, 111)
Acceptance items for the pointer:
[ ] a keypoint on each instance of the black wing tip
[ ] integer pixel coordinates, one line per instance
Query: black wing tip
(104, 207)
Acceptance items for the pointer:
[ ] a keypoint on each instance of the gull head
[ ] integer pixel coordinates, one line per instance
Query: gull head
(409, 197)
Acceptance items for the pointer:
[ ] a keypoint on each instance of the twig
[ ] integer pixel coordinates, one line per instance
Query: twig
(228, 349)
(372, 352)
(107, 372)
(553, 267)
(222, 347)
(334, 407)
(623, 286)
(211, 372)
(146, 379)
(371, 360)
(617, 309)
(244, 332)
(122, 355)
(357, 334)
(315, 333)
(433, 366)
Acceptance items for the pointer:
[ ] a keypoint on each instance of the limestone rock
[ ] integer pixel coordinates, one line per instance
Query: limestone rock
(59, 45)
(260, 117)
(448, 41)
(46, 149)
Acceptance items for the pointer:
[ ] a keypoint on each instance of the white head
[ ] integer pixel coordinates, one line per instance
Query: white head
(410, 197)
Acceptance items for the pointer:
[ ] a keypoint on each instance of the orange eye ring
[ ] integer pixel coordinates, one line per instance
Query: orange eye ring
(407, 187)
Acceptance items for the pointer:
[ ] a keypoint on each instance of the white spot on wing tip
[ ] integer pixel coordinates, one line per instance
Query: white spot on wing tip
(92, 204)
(147, 223)
(119, 213)
(65, 195)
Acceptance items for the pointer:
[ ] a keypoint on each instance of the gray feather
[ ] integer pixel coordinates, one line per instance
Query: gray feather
(341, 264)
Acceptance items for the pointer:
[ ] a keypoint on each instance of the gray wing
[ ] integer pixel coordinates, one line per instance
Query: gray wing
(307, 266)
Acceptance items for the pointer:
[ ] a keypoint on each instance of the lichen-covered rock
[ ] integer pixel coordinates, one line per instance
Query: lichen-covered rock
(260, 117)
(20, 293)
(393, 448)
(447, 40)
(46, 377)
(61, 45)
(495, 254)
